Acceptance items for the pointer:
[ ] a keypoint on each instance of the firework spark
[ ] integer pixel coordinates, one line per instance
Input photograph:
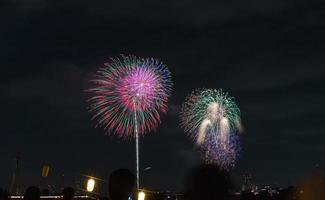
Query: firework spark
(126, 87)
(212, 119)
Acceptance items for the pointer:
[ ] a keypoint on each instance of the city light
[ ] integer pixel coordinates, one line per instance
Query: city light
(90, 185)
(141, 195)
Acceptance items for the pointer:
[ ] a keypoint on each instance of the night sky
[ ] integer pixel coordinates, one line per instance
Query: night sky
(269, 55)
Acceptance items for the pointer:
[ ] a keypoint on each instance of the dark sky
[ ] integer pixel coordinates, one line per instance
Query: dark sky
(269, 55)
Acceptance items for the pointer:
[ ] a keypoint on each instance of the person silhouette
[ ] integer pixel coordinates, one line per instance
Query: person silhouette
(68, 193)
(4, 195)
(32, 193)
(121, 184)
(208, 182)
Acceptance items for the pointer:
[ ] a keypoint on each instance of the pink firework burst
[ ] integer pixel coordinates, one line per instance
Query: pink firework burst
(138, 89)
(130, 93)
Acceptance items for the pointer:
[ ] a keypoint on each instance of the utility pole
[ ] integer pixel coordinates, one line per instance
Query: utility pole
(15, 184)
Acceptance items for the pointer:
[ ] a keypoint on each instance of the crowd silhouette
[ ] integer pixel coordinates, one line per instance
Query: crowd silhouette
(206, 182)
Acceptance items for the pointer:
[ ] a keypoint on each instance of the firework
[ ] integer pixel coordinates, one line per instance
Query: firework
(212, 119)
(129, 93)
(225, 157)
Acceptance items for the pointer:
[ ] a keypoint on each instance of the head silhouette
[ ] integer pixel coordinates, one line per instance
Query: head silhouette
(4, 195)
(121, 184)
(32, 193)
(68, 193)
(314, 187)
(208, 182)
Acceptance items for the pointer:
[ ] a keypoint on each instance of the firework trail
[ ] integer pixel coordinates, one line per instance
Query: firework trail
(128, 94)
(212, 119)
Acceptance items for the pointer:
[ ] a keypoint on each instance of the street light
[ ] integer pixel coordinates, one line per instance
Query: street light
(90, 185)
(141, 195)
